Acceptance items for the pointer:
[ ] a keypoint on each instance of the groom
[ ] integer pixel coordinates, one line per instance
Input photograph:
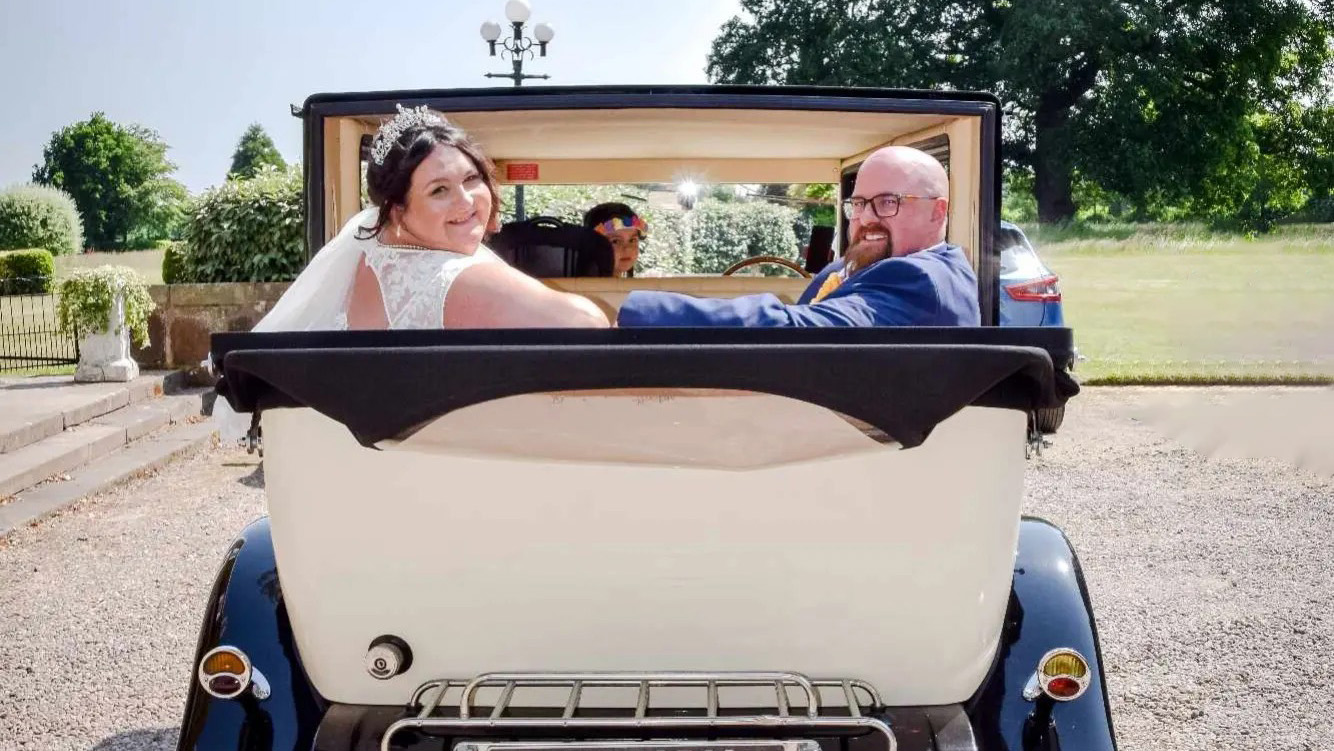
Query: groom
(898, 270)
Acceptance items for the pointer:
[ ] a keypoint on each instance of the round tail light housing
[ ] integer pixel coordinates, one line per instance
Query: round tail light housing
(1062, 674)
(225, 672)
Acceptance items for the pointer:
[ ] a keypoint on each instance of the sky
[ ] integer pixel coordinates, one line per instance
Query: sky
(199, 73)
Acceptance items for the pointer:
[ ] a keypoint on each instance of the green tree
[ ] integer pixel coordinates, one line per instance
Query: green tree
(254, 151)
(1166, 86)
(118, 176)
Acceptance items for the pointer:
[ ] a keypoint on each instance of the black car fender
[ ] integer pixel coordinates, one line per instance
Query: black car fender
(245, 610)
(1049, 608)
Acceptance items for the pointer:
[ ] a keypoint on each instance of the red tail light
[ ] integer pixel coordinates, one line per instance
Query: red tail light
(1046, 289)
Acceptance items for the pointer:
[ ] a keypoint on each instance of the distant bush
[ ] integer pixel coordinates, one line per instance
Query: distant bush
(173, 263)
(665, 250)
(26, 272)
(724, 233)
(1317, 210)
(246, 231)
(39, 216)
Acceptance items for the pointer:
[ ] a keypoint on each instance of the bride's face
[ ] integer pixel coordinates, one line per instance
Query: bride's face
(448, 204)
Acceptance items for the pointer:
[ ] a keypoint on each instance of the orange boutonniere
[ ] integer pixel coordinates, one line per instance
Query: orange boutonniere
(831, 283)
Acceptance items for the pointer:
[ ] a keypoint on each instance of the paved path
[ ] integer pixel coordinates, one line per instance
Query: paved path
(1213, 581)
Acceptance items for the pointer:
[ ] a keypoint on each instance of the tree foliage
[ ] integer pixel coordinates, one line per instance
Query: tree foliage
(1152, 99)
(253, 152)
(118, 176)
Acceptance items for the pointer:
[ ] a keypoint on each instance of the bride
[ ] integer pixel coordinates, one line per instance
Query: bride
(415, 258)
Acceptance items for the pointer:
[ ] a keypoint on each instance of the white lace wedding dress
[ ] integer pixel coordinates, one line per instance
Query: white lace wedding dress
(415, 281)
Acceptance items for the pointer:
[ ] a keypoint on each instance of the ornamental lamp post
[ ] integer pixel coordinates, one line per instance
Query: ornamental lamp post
(516, 47)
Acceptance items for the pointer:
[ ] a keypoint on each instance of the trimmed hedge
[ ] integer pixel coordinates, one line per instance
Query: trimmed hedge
(245, 231)
(726, 232)
(26, 272)
(39, 216)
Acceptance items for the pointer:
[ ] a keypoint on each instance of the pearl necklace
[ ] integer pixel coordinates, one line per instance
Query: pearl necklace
(410, 247)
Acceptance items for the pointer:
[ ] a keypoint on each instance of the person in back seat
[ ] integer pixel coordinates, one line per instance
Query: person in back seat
(623, 228)
(898, 269)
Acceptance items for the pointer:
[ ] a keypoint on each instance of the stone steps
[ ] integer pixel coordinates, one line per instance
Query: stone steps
(128, 461)
(33, 409)
(96, 434)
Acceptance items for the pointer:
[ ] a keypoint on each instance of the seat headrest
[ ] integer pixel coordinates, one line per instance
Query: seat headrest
(546, 247)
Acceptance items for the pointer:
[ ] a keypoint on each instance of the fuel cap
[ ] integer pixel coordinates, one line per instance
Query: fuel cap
(387, 657)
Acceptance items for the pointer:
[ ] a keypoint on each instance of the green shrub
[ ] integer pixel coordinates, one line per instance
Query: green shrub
(39, 216)
(173, 263)
(86, 298)
(246, 231)
(26, 272)
(665, 250)
(705, 240)
(724, 233)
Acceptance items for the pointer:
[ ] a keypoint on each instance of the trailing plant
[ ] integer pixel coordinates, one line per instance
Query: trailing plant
(87, 296)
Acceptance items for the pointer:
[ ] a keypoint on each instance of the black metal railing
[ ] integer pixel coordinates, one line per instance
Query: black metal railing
(30, 333)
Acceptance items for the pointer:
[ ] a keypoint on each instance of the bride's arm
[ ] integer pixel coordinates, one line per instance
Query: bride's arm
(494, 295)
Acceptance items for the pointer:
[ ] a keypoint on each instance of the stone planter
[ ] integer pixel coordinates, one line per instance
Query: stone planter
(105, 356)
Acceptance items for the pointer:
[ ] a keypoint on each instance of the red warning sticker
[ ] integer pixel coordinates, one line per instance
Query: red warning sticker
(521, 171)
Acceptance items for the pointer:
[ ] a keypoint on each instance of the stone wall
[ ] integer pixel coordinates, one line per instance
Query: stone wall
(187, 314)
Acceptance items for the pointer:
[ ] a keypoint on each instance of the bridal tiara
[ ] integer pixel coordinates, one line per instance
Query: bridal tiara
(391, 131)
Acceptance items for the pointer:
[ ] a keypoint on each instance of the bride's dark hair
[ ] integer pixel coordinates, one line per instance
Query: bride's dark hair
(387, 183)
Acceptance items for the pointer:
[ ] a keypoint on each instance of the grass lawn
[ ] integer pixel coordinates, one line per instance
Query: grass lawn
(1172, 305)
(147, 262)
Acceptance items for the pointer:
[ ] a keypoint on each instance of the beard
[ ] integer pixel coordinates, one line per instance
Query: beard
(862, 253)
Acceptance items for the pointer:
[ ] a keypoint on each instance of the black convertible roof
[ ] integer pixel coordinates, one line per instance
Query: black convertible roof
(903, 381)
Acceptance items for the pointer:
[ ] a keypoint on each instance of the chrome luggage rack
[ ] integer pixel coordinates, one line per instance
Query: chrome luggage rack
(644, 720)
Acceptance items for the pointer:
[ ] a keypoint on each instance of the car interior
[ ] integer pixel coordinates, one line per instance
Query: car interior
(708, 146)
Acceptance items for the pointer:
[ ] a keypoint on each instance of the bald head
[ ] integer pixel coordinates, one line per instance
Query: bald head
(920, 221)
(914, 170)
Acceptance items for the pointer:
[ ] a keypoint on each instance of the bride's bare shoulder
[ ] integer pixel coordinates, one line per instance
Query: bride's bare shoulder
(493, 295)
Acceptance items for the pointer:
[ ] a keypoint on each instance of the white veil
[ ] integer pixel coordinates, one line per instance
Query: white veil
(316, 301)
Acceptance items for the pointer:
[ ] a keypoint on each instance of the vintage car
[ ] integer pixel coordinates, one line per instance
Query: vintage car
(641, 540)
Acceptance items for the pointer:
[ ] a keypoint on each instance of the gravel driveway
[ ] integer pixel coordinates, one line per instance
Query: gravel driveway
(1212, 578)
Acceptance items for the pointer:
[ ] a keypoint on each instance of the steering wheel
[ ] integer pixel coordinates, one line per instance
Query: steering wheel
(757, 260)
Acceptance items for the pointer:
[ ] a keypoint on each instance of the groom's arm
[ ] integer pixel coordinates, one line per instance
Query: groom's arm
(890, 295)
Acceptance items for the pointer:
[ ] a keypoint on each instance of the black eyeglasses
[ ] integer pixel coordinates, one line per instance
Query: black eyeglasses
(885, 205)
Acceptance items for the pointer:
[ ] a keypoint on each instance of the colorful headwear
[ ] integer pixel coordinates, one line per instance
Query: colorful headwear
(629, 221)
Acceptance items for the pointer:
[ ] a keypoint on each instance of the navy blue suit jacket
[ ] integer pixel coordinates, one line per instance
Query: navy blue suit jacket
(933, 287)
